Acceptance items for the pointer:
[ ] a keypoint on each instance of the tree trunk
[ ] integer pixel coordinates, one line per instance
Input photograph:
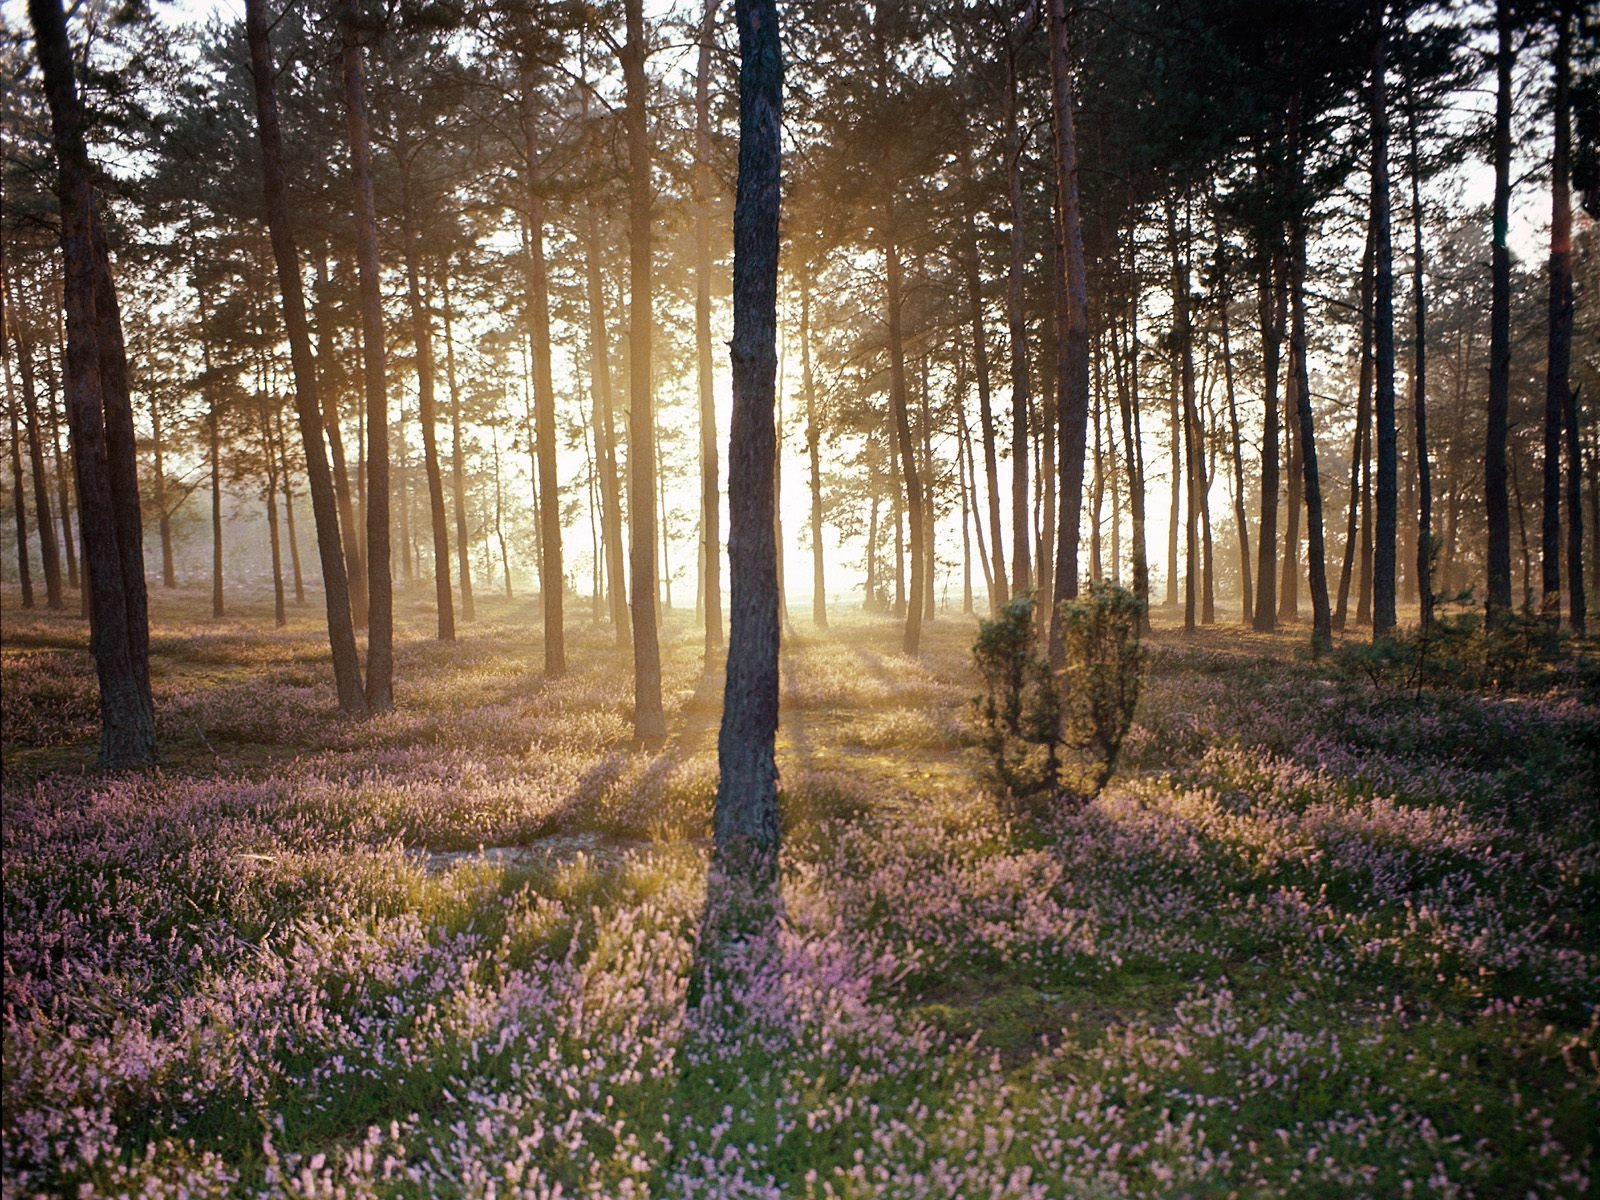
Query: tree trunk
(710, 516)
(899, 403)
(1133, 455)
(280, 614)
(24, 574)
(649, 721)
(746, 814)
(288, 513)
(326, 352)
(1494, 455)
(427, 412)
(458, 485)
(1386, 510)
(1321, 624)
(552, 576)
(605, 438)
(380, 581)
(819, 591)
(1558, 388)
(1240, 519)
(49, 554)
(1021, 526)
(1419, 389)
(1358, 453)
(998, 593)
(101, 417)
(1269, 309)
(64, 490)
(1183, 355)
(1072, 330)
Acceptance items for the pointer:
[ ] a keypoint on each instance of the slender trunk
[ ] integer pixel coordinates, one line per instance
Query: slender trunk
(327, 383)
(1183, 355)
(1558, 387)
(499, 515)
(1497, 428)
(1132, 446)
(214, 446)
(1386, 509)
(24, 573)
(49, 554)
(1072, 330)
(998, 593)
(1358, 445)
(102, 421)
(649, 720)
(169, 572)
(64, 491)
(819, 592)
(1306, 445)
(427, 411)
(605, 438)
(972, 492)
(288, 513)
(1419, 389)
(900, 407)
(380, 582)
(280, 614)
(458, 486)
(1021, 551)
(1240, 520)
(402, 493)
(552, 576)
(966, 518)
(929, 541)
(710, 516)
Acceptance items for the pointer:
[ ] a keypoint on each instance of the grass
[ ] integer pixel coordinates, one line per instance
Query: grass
(1320, 937)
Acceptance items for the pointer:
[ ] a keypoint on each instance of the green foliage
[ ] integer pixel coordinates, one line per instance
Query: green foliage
(1099, 681)
(1507, 652)
(1060, 731)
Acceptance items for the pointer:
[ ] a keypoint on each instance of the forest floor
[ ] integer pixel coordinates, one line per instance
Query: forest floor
(1321, 936)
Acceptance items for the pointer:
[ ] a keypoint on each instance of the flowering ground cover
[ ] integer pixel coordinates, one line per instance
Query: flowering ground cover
(1320, 937)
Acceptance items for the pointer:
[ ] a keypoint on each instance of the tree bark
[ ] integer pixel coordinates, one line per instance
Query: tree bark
(1358, 444)
(380, 581)
(1321, 623)
(101, 418)
(899, 403)
(458, 481)
(1240, 519)
(1021, 525)
(605, 436)
(1558, 387)
(1386, 509)
(649, 720)
(998, 593)
(552, 576)
(819, 591)
(1072, 355)
(326, 352)
(24, 572)
(49, 553)
(746, 814)
(710, 501)
(428, 415)
(1419, 388)
(1496, 502)
(1269, 308)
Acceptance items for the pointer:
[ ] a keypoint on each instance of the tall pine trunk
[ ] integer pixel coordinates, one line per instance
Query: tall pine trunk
(649, 720)
(1072, 331)
(341, 632)
(605, 436)
(710, 501)
(899, 402)
(49, 553)
(1496, 501)
(1386, 508)
(819, 590)
(427, 412)
(458, 481)
(101, 418)
(1419, 386)
(1017, 325)
(1558, 388)
(327, 384)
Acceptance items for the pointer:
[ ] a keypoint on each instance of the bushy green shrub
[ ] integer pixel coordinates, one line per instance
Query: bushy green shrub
(1059, 732)
(1100, 678)
(1508, 652)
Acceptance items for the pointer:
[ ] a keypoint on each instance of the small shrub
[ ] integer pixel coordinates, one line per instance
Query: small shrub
(1053, 731)
(1099, 681)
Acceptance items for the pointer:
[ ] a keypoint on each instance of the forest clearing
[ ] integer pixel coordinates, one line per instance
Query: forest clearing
(1318, 937)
